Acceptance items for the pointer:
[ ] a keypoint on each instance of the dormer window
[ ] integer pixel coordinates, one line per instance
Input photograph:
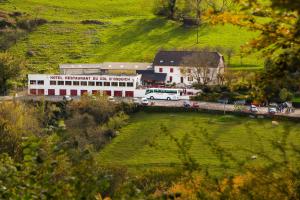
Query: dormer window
(172, 61)
(161, 61)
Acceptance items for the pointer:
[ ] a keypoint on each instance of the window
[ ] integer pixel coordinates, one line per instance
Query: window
(73, 92)
(68, 83)
(40, 82)
(95, 92)
(190, 78)
(107, 92)
(160, 69)
(83, 92)
(171, 70)
(41, 91)
(118, 93)
(114, 84)
(106, 83)
(83, 83)
(122, 84)
(129, 84)
(129, 94)
(52, 82)
(170, 78)
(75, 82)
(61, 82)
(33, 91)
(98, 83)
(51, 92)
(149, 91)
(62, 92)
(91, 83)
(32, 82)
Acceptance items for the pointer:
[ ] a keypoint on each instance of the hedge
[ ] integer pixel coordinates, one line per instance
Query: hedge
(163, 109)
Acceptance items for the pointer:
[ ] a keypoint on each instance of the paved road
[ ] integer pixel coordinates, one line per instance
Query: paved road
(203, 105)
(219, 106)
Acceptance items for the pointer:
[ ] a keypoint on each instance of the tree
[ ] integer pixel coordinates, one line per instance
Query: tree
(199, 68)
(10, 68)
(195, 6)
(172, 6)
(229, 53)
(17, 121)
(285, 95)
(166, 8)
(219, 6)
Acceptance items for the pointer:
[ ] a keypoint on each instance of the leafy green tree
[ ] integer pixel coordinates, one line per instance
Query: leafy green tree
(285, 95)
(11, 68)
(166, 8)
(17, 121)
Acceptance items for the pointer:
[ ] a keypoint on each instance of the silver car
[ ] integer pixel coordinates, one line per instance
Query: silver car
(253, 109)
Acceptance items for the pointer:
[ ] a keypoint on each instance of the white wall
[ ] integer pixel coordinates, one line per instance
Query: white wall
(177, 73)
(68, 88)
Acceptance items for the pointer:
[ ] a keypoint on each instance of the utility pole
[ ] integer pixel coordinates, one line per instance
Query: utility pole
(198, 15)
(197, 32)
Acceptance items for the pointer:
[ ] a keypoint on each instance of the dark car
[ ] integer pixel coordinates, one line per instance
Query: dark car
(186, 104)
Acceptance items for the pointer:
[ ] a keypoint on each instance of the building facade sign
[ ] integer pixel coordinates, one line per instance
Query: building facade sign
(77, 85)
(90, 78)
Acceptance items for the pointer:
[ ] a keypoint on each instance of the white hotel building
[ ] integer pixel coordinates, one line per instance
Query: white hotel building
(122, 79)
(112, 79)
(77, 85)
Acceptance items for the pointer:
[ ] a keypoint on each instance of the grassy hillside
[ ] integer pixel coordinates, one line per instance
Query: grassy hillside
(130, 33)
(134, 146)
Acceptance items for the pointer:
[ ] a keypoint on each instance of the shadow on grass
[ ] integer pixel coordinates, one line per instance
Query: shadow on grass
(154, 33)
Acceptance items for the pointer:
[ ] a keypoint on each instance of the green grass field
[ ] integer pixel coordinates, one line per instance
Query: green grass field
(131, 33)
(142, 145)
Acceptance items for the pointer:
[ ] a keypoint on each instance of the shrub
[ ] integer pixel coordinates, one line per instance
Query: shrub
(92, 22)
(285, 95)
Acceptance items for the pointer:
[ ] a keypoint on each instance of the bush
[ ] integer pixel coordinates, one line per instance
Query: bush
(92, 22)
(160, 8)
(29, 25)
(285, 95)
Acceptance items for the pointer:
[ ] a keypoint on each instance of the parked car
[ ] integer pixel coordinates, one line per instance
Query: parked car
(186, 104)
(111, 99)
(272, 110)
(145, 102)
(253, 109)
(195, 105)
(67, 98)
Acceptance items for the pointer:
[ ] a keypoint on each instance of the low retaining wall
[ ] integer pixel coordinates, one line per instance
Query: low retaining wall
(160, 109)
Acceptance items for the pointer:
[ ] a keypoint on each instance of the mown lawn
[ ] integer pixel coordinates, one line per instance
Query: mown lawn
(142, 144)
(296, 99)
(130, 33)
